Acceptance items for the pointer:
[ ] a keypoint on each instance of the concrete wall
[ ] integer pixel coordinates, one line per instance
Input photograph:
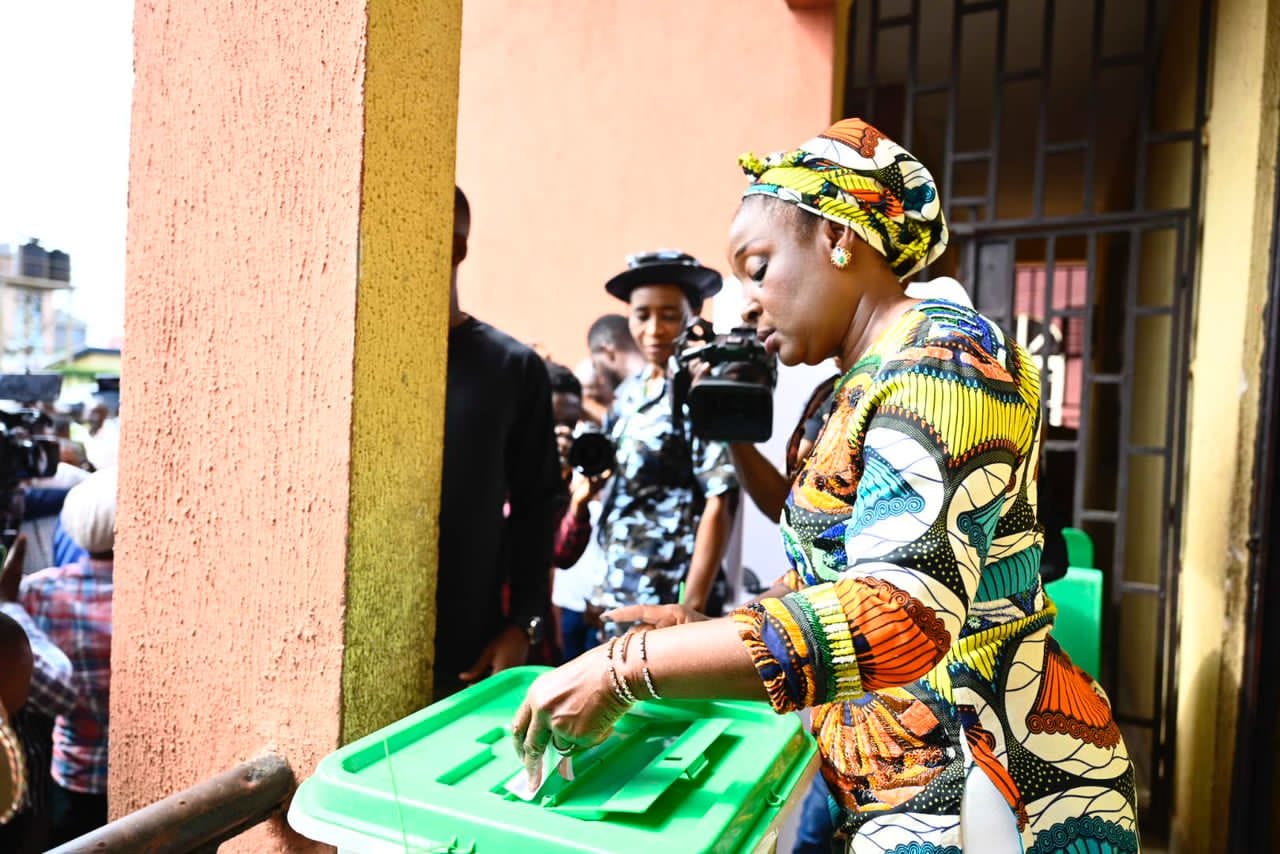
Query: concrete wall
(289, 224)
(1226, 365)
(591, 129)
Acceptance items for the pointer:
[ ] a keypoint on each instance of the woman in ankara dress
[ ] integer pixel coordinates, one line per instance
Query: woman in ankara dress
(916, 628)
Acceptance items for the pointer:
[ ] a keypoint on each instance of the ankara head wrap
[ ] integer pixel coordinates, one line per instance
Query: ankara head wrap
(854, 175)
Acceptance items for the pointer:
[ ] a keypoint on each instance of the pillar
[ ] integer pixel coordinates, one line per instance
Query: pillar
(290, 224)
(1226, 367)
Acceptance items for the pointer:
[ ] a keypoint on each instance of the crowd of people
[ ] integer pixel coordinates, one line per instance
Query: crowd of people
(55, 630)
(647, 525)
(579, 507)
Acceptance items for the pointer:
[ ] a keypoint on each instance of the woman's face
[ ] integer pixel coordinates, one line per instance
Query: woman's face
(800, 303)
(659, 314)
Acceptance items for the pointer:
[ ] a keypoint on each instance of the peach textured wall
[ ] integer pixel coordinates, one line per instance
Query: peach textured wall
(590, 129)
(290, 225)
(244, 203)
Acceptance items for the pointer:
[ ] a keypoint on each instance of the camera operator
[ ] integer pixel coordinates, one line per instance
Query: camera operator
(579, 563)
(668, 514)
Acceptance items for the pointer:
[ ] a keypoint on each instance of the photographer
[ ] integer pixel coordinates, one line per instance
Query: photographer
(668, 514)
(579, 563)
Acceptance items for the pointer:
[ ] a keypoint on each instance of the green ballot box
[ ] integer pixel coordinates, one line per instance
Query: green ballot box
(675, 776)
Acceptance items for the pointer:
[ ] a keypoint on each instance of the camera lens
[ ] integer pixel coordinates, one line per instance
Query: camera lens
(592, 454)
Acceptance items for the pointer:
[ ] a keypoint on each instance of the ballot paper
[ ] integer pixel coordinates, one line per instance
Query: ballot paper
(552, 762)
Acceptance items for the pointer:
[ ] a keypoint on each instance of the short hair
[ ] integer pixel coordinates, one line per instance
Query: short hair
(562, 379)
(611, 330)
(460, 202)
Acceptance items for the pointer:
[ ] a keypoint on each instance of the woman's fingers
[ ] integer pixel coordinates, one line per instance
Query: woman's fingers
(520, 726)
(535, 744)
(627, 613)
(657, 616)
(652, 615)
(570, 708)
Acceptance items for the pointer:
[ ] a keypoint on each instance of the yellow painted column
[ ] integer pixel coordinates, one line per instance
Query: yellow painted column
(401, 337)
(1223, 410)
(290, 218)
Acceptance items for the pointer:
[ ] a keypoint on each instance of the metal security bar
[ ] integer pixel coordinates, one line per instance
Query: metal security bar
(199, 819)
(1067, 137)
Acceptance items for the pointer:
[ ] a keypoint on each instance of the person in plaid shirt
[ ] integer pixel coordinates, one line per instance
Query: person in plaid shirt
(50, 691)
(72, 605)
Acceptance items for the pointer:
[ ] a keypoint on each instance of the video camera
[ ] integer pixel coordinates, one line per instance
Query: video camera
(733, 400)
(24, 452)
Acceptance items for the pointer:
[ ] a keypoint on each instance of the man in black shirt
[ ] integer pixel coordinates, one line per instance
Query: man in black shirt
(502, 495)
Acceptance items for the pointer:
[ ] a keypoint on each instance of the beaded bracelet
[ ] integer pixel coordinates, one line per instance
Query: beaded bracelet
(620, 687)
(644, 664)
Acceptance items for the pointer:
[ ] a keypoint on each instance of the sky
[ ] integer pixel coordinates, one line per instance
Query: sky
(67, 71)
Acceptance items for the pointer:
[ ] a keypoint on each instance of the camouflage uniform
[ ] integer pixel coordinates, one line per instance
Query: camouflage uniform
(659, 489)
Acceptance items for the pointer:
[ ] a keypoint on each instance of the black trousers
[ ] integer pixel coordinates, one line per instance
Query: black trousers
(75, 813)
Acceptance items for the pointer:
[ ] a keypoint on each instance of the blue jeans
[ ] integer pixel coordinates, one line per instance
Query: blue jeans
(576, 635)
(817, 827)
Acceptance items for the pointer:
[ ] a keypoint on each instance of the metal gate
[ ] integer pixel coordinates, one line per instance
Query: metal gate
(1067, 136)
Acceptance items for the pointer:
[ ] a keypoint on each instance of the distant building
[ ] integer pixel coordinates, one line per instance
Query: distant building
(33, 329)
(81, 372)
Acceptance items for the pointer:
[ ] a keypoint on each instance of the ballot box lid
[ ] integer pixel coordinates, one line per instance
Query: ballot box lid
(683, 776)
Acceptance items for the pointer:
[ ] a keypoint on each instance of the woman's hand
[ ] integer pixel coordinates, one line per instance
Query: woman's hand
(656, 616)
(571, 707)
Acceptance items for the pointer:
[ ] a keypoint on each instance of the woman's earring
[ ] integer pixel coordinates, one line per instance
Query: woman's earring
(840, 257)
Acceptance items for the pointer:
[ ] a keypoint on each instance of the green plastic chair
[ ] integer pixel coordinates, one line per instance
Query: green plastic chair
(1078, 595)
(1079, 548)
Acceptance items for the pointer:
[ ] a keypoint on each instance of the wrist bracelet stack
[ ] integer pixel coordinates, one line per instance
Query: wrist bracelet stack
(644, 664)
(621, 689)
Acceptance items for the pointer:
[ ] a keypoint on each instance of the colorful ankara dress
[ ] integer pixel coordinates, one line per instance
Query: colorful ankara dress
(918, 629)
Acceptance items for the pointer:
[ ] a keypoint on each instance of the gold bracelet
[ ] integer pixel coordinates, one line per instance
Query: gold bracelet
(620, 687)
(644, 664)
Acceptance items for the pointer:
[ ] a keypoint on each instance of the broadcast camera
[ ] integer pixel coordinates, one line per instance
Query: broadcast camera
(733, 400)
(24, 452)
